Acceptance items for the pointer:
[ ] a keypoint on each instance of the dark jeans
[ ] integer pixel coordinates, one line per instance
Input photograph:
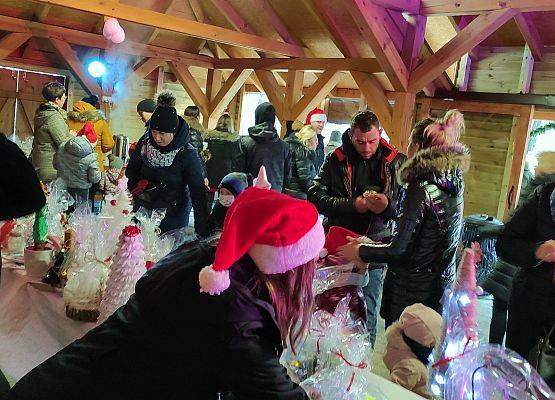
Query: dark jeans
(373, 295)
(498, 324)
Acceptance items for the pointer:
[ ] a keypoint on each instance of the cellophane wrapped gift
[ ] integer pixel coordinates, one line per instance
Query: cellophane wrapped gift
(492, 372)
(58, 201)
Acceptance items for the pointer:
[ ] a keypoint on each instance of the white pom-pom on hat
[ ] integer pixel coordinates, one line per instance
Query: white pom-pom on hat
(213, 282)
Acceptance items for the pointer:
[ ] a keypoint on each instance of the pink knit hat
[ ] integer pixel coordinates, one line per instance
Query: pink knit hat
(277, 231)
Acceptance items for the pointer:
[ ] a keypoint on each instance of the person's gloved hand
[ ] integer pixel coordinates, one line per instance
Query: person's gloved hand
(140, 188)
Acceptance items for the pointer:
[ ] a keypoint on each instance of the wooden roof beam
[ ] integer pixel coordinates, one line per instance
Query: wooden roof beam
(375, 97)
(530, 34)
(42, 12)
(293, 91)
(11, 42)
(76, 66)
(145, 67)
(414, 39)
(317, 92)
(180, 25)
(468, 7)
(265, 8)
(305, 64)
(154, 34)
(189, 83)
(409, 6)
(478, 30)
(371, 20)
(230, 88)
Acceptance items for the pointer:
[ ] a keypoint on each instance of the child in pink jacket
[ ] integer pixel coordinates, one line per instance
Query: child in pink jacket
(410, 342)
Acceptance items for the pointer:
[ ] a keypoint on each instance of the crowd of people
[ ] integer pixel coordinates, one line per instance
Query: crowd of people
(213, 317)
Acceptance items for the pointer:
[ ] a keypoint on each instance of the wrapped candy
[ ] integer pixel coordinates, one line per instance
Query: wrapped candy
(494, 372)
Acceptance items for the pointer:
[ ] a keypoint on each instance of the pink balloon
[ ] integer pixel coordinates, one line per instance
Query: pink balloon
(111, 26)
(118, 36)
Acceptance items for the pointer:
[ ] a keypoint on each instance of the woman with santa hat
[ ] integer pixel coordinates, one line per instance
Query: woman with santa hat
(190, 332)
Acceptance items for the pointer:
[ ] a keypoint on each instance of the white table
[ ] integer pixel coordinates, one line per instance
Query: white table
(33, 324)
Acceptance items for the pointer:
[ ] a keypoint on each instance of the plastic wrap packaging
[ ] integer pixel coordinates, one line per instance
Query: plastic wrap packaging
(492, 372)
(58, 202)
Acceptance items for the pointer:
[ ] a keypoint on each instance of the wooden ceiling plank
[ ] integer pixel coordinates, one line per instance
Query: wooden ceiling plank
(414, 39)
(181, 25)
(42, 12)
(526, 71)
(230, 88)
(306, 64)
(469, 7)
(375, 97)
(372, 23)
(76, 66)
(269, 84)
(11, 42)
(186, 79)
(463, 22)
(266, 9)
(317, 92)
(409, 6)
(154, 34)
(530, 34)
(478, 30)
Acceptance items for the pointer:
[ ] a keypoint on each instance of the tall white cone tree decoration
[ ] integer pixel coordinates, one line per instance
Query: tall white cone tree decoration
(459, 315)
(128, 265)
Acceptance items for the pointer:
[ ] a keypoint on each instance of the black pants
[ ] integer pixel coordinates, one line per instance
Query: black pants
(498, 324)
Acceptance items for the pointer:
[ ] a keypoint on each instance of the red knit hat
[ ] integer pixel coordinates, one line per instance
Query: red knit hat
(88, 131)
(277, 231)
(336, 237)
(316, 115)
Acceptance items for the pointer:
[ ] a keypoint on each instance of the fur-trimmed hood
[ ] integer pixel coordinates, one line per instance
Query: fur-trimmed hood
(443, 165)
(90, 115)
(213, 134)
(194, 124)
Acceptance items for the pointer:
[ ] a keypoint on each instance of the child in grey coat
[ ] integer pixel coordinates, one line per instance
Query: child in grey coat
(77, 163)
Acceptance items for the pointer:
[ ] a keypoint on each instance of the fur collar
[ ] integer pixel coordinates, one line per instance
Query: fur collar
(92, 115)
(194, 124)
(435, 162)
(213, 134)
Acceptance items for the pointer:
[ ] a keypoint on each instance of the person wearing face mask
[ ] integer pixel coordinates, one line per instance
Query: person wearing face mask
(231, 186)
(165, 171)
(303, 157)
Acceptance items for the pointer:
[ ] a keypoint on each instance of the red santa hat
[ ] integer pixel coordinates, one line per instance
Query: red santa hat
(277, 231)
(316, 115)
(88, 131)
(336, 237)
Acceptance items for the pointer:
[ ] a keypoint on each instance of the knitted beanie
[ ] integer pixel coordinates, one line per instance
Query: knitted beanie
(277, 241)
(164, 118)
(146, 105)
(235, 182)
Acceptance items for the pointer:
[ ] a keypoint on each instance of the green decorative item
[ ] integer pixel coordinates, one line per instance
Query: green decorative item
(40, 229)
(542, 129)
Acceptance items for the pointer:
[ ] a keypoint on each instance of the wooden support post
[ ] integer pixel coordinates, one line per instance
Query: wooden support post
(317, 92)
(526, 70)
(514, 167)
(12, 42)
(160, 79)
(213, 83)
(191, 86)
(375, 97)
(403, 120)
(463, 73)
(293, 91)
(425, 109)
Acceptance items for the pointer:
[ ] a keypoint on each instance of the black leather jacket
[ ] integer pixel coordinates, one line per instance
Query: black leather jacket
(303, 168)
(421, 255)
(334, 194)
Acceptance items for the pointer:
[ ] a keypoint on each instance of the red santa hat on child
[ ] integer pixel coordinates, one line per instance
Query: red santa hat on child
(88, 131)
(277, 231)
(336, 237)
(316, 115)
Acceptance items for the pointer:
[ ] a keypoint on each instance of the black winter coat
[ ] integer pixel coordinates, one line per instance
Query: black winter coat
(172, 342)
(421, 255)
(195, 132)
(303, 168)
(320, 153)
(171, 184)
(224, 148)
(334, 194)
(533, 223)
(264, 147)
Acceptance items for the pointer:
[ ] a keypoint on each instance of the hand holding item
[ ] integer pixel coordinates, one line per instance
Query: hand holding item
(350, 251)
(361, 205)
(546, 251)
(376, 202)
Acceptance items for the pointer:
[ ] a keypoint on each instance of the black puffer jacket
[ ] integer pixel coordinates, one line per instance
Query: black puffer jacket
(320, 153)
(172, 342)
(421, 255)
(224, 148)
(334, 194)
(303, 168)
(263, 147)
(172, 182)
(196, 132)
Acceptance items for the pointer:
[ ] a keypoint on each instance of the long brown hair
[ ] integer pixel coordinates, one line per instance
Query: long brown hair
(293, 300)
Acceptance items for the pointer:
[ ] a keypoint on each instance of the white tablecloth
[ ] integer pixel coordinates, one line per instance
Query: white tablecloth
(33, 324)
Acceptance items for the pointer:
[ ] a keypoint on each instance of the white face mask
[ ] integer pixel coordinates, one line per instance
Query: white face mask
(226, 200)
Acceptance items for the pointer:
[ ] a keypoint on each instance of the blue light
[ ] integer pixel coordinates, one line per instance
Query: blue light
(96, 69)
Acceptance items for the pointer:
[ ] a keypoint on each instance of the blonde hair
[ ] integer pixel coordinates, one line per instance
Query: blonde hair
(443, 132)
(306, 133)
(546, 163)
(225, 123)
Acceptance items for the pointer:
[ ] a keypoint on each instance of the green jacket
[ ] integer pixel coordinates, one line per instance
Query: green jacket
(51, 131)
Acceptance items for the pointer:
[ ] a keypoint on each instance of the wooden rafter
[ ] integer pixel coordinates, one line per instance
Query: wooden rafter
(88, 39)
(181, 25)
(306, 64)
(293, 91)
(76, 66)
(270, 86)
(317, 92)
(42, 12)
(409, 6)
(160, 75)
(11, 42)
(526, 71)
(414, 39)
(189, 83)
(154, 34)
(145, 67)
(213, 83)
(478, 30)
(265, 8)
(375, 97)
(469, 7)
(371, 20)
(230, 88)
(458, 26)
(530, 34)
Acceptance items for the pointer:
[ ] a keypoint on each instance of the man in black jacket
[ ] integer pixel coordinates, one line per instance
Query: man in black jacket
(357, 189)
(263, 147)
